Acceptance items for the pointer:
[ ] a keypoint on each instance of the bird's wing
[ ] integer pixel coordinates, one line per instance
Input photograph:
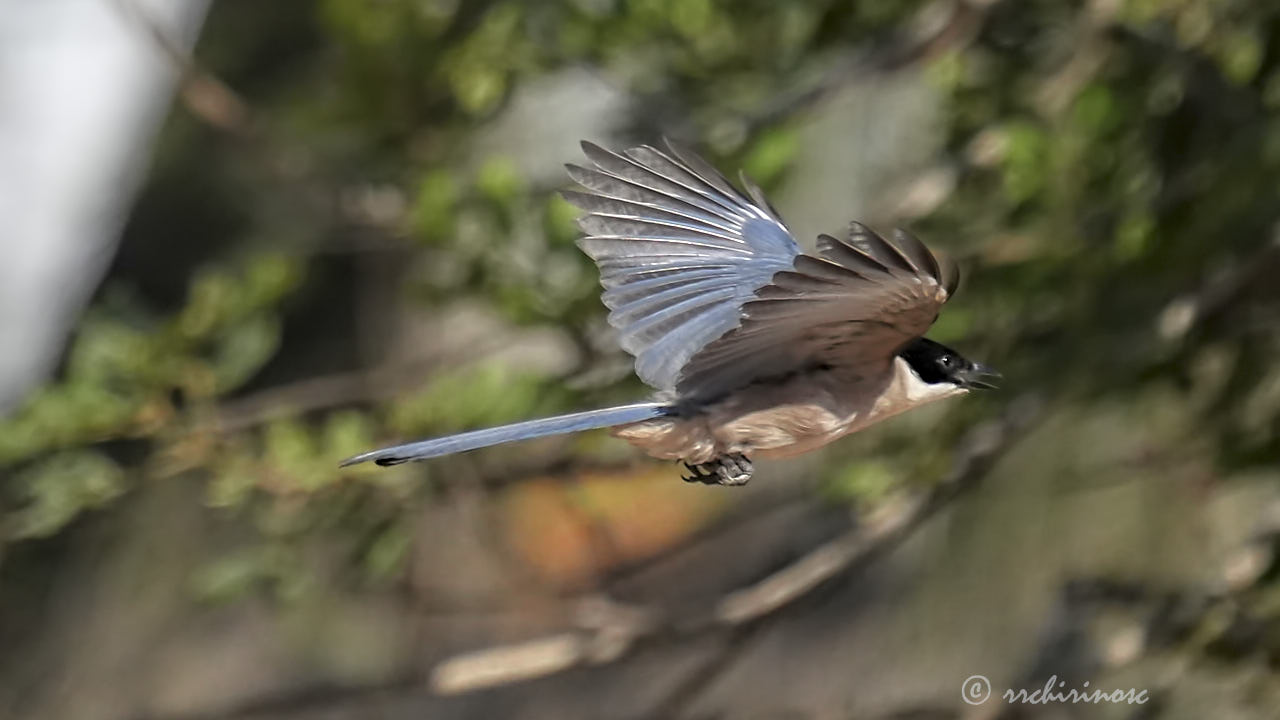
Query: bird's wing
(679, 248)
(852, 307)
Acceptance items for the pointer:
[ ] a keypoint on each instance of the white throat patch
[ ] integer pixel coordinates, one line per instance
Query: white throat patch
(907, 390)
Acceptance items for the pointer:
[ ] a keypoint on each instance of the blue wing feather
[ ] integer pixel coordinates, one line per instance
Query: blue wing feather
(680, 249)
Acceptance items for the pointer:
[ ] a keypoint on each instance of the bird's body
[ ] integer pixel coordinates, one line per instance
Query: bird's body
(786, 418)
(754, 348)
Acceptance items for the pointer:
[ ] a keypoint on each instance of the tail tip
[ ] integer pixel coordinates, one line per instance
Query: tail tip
(357, 459)
(381, 461)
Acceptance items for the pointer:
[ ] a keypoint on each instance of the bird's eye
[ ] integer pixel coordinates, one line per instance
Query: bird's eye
(948, 362)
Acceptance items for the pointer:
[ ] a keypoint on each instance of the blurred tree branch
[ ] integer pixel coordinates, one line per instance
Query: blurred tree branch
(204, 95)
(607, 629)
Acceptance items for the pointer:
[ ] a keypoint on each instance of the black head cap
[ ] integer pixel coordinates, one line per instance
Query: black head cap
(937, 363)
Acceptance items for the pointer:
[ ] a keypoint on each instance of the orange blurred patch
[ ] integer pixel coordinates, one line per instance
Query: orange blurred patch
(570, 530)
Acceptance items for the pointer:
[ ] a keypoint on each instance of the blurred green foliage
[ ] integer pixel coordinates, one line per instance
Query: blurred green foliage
(1112, 159)
(471, 397)
(61, 486)
(125, 376)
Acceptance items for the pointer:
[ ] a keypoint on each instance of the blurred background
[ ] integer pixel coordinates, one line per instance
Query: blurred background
(244, 240)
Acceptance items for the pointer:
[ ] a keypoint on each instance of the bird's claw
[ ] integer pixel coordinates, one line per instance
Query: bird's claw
(726, 470)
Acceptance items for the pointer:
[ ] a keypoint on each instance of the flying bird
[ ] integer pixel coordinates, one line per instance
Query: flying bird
(753, 348)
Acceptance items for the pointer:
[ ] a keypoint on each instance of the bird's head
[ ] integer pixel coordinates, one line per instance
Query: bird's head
(936, 363)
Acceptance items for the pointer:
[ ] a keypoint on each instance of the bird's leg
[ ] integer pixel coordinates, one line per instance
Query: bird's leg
(725, 470)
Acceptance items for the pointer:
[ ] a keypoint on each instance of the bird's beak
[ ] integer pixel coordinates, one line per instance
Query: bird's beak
(978, 377)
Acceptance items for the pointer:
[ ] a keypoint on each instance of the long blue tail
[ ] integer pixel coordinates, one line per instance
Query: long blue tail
(589, 420)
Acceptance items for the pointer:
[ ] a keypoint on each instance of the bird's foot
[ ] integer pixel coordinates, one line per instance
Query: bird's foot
(726, 470)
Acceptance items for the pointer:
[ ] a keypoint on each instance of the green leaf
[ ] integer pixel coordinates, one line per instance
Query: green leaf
(1026, 161)
(58, 489)
(1134, 234)
(861, 481)
(292, 449)
(771, 154)
(346, 433)
(243, 349)
(1240, 56)
(1095, 110)
(432, 216)
(484, 395)
(499, 180)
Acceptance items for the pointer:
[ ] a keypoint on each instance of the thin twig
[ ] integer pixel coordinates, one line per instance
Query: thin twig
(207, 97)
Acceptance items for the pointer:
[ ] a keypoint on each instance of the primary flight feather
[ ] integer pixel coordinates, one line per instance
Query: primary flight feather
(753, 348)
